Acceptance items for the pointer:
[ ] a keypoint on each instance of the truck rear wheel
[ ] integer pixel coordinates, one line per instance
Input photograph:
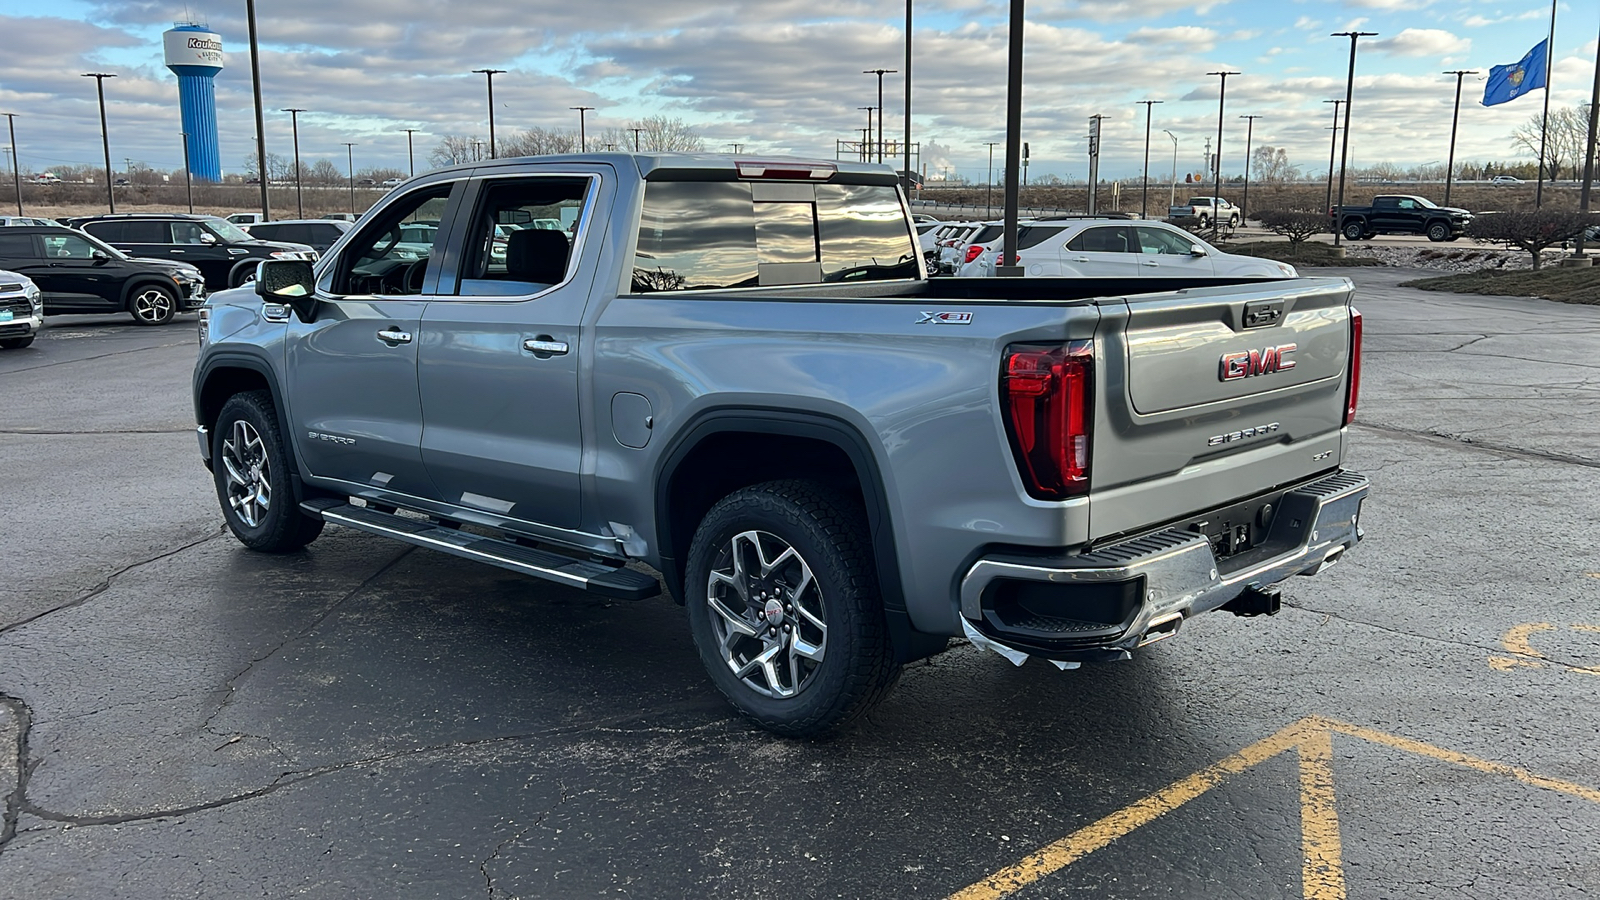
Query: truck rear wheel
(251, 470)
(784, 606)
(1355, 231)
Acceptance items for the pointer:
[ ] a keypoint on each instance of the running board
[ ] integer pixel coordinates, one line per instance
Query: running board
(594, 577)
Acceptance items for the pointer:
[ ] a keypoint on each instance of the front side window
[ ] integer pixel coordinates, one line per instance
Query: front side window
(390, 256)
(523, 236)
(187, 233)
(1156, 240)
(67, 246)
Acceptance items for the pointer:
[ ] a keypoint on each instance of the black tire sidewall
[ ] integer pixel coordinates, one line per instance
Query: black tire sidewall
(20, 343)
(852, 610)
(172, 304)
(285, 527)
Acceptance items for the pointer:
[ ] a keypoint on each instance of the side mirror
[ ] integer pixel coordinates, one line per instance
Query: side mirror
(207, 237)
(1198, 251)
(99, 256)
(290, 282)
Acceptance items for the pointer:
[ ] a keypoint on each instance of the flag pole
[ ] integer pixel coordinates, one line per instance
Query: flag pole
(1588, 156)
(1544, 125)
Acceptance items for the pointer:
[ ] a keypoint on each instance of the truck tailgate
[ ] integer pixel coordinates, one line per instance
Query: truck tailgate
(1214, 394)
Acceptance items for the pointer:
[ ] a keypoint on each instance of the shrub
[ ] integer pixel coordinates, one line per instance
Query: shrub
(1529, 230)
(1294, 224)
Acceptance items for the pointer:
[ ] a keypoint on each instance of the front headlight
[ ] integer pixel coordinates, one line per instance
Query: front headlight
(285, 254)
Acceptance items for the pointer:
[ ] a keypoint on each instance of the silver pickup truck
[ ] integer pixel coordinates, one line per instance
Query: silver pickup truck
(735, 373)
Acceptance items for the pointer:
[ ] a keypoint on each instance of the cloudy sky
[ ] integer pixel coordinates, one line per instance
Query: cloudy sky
(784, 76)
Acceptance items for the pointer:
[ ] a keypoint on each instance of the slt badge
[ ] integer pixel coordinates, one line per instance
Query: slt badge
(945, 318)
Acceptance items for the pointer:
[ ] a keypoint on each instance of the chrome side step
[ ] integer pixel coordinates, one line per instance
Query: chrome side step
(597, 578)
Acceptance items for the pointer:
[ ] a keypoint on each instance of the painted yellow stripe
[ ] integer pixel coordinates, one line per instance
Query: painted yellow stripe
(1462, 759)
(1516, 640)
(1057, 856)
(1322, 872)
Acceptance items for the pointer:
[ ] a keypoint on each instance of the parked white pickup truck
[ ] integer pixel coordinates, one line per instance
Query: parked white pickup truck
(1199, 210)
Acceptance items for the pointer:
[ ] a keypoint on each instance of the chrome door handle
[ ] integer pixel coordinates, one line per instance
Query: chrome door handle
(395, 336)
(1080, 259)
(1151, 263)
(546, 346)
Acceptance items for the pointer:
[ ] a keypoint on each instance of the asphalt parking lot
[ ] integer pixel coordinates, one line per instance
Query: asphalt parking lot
(180, 717)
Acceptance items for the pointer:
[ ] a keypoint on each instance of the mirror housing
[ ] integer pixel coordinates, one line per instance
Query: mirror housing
(290, 282)
(207, 237)
(98, 255)
(1198, 251)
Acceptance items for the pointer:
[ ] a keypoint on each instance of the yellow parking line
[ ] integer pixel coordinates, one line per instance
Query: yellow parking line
(1516, 640)
(1054, 857)
(1322, 873)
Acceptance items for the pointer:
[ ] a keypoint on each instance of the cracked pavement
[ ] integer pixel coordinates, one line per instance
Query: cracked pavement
(180, 717)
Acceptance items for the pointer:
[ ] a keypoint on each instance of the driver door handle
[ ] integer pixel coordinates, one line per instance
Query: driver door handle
(395, 336)
(1151, 263)
(545, 345)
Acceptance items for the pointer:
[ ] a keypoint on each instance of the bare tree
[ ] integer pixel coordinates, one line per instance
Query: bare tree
(1270, 165)
(454, 149)
(324, 172)
(1530, 230)
(1569, 128)
(661, 134)
(538, 141)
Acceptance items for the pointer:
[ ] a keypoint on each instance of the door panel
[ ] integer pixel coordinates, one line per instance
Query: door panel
(1107, 251)
(70, 274)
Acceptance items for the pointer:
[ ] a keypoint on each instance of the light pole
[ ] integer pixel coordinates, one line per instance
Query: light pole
(1006, 266)
(907, 147)
(1172, 193)
(1216, 196)
(1344, 146)
(261, 127)
(105, 141)
(16, 167)
(411, 154)
(1249, 135)
(294, 120)
(488, 76)
(866, 143)
(636, 138)
(988, 184)
(1333, 145)
(736, 148)
(1450, 167)
(880, 73)
(583, 140)
(1144, 201)
(350, 160)
(188, 182)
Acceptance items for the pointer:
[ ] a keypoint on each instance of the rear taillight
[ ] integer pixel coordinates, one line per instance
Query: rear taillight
(973, 252)
(1046, 393)
(1353, 391)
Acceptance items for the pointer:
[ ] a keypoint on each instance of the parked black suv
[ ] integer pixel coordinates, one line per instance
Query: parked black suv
(78, 273)
(226, 254)
(319, 233)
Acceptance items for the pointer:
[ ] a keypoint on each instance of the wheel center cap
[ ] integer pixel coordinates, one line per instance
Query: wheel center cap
(772, 613)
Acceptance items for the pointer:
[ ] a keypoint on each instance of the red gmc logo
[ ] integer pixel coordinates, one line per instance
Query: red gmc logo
(1250, 363)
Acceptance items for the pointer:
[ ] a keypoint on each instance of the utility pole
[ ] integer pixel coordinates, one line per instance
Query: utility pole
(1249, 135)
(988, 184)
(188, 182)
(1172, 192)
(583, 140)
(1144, 202)
(105, 141)
(1450, 166)
(1333, 146)
(488, 76)
(350, 157)
(880, 73)
(294, 120)
(1216, 196)
(411, 154)
(261, 126)
(1344, 146)
(16, 167)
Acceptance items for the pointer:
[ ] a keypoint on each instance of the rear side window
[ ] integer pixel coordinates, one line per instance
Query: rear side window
(16, 246)
(270, 232)
(1106, 239)
(110, 232)
(986, 234)
(1034, 235)
(704, 235)
(147, 232)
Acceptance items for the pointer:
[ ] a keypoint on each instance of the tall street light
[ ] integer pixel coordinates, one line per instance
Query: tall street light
(16, 167)
(350, 160)
(1333, 145)
(1172, 192)
(488, 76)
(294, 119)
(1216, 195)
(1249, 135)
(1450, 167)
(188, 181)
(255, 88)
(105, 141)
(907, 147)
(1144, 201)
(411, 153)
(583, 139)
(636, 132)
(988, 184)
(1006, 266)
(866, 137)
(880, 73)
(1344, 146)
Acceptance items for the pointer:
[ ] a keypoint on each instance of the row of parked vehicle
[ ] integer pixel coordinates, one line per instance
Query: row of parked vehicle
(1105, 246)
(151, 266)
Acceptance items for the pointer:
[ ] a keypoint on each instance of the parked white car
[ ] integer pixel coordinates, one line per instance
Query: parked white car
(1118, 248)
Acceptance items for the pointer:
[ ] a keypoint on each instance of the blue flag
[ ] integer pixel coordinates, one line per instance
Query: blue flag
(1510, 82)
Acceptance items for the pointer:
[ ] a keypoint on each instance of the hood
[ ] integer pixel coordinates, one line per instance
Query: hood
(169, 266)
(282, 245)
(1455, 210)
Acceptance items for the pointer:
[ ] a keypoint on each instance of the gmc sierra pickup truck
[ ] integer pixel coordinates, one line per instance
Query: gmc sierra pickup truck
(1198, 212)
(736, 374)
(1403, 214)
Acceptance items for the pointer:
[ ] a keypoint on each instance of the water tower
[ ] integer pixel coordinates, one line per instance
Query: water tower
(194, 54)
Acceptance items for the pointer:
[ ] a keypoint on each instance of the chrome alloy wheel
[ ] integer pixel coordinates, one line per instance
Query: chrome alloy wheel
(152, 305)
(244, 456)
(769, 614)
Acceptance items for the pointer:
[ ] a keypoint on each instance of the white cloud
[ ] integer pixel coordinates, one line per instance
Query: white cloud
(1422, 42)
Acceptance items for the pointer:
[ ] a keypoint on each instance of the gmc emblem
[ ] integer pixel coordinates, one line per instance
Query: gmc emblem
(1246, 364)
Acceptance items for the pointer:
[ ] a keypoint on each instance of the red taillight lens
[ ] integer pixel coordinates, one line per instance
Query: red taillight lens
(1046, 393)
(973, 252)
(1353, 392)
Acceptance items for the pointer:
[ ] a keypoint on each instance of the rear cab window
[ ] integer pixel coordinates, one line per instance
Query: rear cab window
(711, 235)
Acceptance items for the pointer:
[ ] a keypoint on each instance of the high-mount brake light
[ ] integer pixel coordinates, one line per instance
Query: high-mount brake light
(786, 170)
(1046, 393)
(1353, 391)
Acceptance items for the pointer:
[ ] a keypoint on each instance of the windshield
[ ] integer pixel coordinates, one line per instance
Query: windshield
(228, 231)
(1425, 203)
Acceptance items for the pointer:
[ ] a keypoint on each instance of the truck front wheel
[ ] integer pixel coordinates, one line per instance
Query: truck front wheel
(252, 477)
(1438, 232)
(784, 605)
